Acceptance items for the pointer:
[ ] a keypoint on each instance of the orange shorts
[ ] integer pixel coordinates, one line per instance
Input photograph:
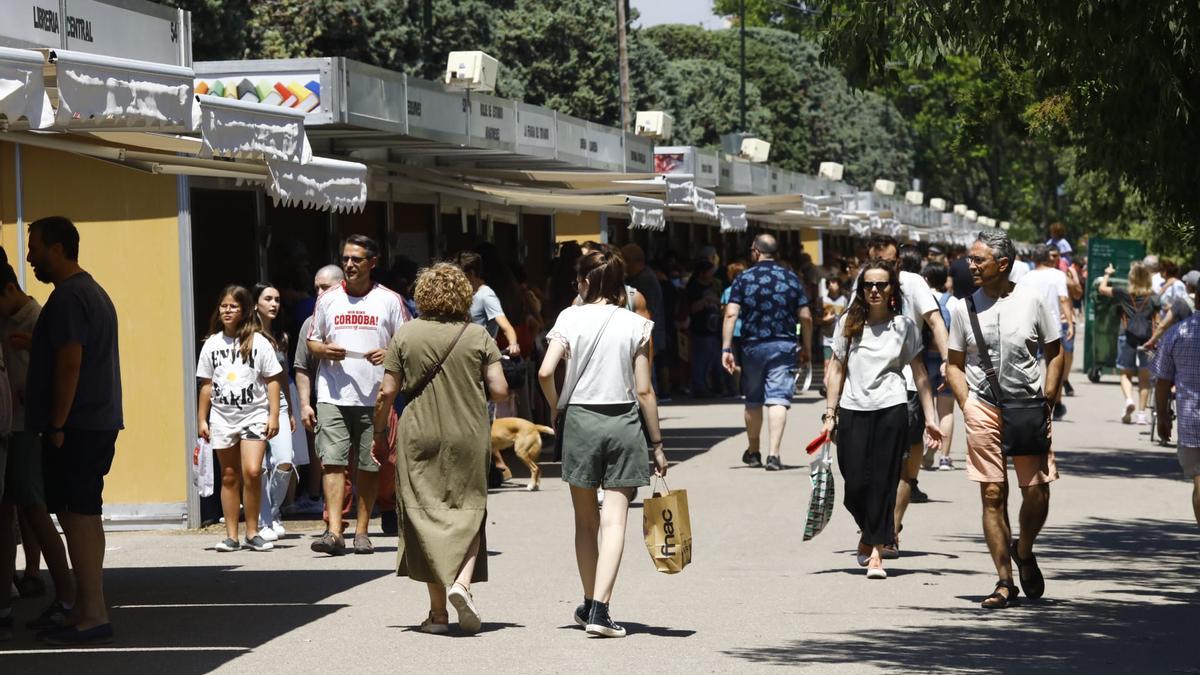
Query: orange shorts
(985, 454)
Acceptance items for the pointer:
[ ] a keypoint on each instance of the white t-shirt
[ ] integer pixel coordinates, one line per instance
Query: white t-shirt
(485, 307)
(877, 361)
(608, 378)
(1017, 270)
(919, 300)
(358, 324)
(1051, 284)
(1156, 282)
(239, 389)
(1011, 326)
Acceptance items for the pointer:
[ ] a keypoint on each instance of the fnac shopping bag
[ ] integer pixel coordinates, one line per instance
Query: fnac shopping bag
(667, 529)
(202, 467)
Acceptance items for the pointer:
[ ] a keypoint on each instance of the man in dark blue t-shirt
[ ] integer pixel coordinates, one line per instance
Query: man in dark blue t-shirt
(769, 299)
(73, 397)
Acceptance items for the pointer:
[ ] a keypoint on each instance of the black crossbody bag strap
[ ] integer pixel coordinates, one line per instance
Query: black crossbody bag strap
(985, 358)
(437, 367)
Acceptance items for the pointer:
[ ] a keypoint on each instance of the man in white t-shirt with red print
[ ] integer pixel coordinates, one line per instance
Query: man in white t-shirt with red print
(351, 328)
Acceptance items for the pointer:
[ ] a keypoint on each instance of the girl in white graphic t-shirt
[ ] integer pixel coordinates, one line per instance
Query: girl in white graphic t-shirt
(239, 408)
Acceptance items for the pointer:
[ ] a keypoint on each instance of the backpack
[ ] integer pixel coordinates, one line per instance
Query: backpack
(1138, 326)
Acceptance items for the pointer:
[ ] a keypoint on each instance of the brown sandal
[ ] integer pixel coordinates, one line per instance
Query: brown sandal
(998, 600)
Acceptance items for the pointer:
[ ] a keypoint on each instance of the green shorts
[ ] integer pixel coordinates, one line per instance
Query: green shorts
(604, 445)
(341, 427)
(23, 482)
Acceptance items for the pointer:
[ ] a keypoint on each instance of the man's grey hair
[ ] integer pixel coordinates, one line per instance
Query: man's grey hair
(766, 245)
(1001, 246)
(1041, 254)
(331, 272)
(1151, 262)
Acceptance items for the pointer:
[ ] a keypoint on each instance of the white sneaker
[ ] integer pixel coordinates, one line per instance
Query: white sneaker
(876, 573)
(945, 464)
(1142, 417)
(268, 534)
(1127, 418)
(279, 529)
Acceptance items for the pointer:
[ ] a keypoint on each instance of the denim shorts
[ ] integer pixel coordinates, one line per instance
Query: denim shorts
(1067, 345)
(767, 372)
(1129, 357)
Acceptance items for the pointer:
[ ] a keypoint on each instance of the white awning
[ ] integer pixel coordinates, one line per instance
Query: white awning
(232, 128)
(106, 92)
(733, 218)
(22, 93)
(705, 202)
(646, 214)
(326, 184)
(681, 192)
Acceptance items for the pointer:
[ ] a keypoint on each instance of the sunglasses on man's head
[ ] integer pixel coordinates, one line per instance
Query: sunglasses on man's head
(878, 286)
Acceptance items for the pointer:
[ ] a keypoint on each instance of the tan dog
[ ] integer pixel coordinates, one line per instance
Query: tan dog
(525, 438)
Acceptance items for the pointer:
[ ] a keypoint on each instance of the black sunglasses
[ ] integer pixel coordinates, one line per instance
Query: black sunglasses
(357, 260)
(879, 286)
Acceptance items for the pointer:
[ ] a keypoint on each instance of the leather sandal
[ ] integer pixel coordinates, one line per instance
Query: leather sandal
(1032, 581)
(998, 600)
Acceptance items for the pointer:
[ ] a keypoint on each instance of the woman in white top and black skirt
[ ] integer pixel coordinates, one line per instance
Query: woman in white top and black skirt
(608, 417)
(867, 404)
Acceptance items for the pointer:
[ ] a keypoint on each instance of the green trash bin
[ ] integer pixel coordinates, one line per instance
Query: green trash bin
(1103, 322)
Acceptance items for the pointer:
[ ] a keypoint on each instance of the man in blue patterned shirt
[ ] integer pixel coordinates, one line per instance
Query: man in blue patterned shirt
(769, 299)
(1178, 364)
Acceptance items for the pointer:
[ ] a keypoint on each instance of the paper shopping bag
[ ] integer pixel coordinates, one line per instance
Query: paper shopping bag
(667, 529)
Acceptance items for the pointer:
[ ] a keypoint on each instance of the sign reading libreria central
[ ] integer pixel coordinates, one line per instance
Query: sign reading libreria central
(94, 26)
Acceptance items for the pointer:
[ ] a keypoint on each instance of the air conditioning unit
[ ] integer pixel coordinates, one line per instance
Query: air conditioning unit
(971, 215)
(1004, 225)
(475, 71)
(937, 204)
(653, 124)
(914, 197)
(831, 170)
(960, 209)
(754, 149)
(885, 187)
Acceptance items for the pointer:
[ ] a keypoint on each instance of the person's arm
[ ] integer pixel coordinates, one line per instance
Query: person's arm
(304, 392)
(1161, 328)
(1068, 315)
(933, 431)
(1162, 402)
(835, 374)
(388, 389)
(318, 345)
(272, 407)
(649, 405)
(806, 327)
(1074, 284)
(1105, 289)
(510, 334)
(67, 360)
(205, 405)
(554, 353)
(639, 306)
(956, 376)
(497, 384)
(1054, 362)
(732, 309)
(937, 328)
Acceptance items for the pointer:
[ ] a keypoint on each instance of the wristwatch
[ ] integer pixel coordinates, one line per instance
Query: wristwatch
(726, 350)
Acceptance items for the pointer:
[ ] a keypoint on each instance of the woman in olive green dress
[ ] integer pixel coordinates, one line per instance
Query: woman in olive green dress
(442, 443)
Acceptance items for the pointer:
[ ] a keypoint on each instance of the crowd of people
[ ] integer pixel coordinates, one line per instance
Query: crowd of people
(396, 377)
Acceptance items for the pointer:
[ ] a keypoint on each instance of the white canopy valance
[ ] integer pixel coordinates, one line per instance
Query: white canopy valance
(646, 214)
(705, 202)
(732, 218)
(105, 91)
(232, 128)
(326, 184)
(21, 91)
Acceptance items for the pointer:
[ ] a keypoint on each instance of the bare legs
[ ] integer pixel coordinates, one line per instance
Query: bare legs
(1035, 506)
(908, 471)
(776, 421)
(241, 484)
(333, 483)
(367, 489)
(85, 543)
(1143, 388)
(945, 409)
(599, 538)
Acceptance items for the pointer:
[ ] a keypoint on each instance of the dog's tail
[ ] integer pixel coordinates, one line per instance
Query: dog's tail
(544, 430)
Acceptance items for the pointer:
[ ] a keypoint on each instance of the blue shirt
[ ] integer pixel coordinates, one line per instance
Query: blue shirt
(769, 295)
(1178, 361)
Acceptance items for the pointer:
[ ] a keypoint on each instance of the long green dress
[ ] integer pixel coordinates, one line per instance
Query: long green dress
(443, 449)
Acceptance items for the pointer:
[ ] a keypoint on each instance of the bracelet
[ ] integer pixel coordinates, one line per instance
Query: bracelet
(827, 416)
(658, 442)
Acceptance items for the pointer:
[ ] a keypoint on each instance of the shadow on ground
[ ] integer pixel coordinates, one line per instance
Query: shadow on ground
(185, 620)
(1143, 622)
(1148, 461)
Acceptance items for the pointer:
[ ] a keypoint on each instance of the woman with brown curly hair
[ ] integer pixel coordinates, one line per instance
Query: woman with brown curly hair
(868, 404)
(446, 368)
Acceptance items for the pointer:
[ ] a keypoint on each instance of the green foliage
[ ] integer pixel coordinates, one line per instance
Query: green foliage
(702, 96)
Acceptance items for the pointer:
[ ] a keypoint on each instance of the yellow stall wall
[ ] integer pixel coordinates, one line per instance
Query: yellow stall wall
(580, 227)
(812, 245)
(129, 241)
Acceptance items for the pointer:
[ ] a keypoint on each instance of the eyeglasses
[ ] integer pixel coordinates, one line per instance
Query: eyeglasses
(978, 260)
(877, 286)
(357, 260)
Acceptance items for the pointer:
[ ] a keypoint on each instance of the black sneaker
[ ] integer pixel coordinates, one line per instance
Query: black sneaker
(599, 623)
(55, 616)
(752, 459)
(1060, 411)
(773, 463)
(916, 496)
(1068, 390)
(583, 612)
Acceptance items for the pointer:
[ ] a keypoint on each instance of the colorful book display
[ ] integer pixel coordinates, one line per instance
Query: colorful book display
(305, 98)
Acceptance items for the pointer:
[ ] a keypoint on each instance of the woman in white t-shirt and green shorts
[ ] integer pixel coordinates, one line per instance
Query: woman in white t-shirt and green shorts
(868, 404)
(609, 416)
(238, 409)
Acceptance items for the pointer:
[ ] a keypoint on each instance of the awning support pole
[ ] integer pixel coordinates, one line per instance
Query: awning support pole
(21, 264)
(187, 307)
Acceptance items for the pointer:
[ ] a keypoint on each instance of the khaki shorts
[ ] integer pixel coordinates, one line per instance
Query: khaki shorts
(604, 446)
(985, 455)
(1189, 461)
(340, 428)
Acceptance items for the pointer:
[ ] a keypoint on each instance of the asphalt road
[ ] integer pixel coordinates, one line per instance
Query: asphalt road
(1119, 553)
